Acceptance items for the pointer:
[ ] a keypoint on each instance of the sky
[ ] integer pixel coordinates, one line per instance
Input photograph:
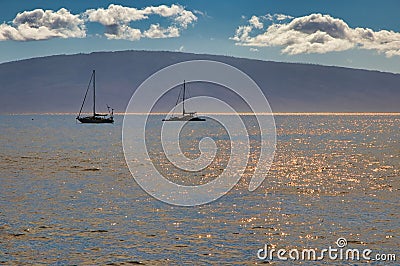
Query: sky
(358, 34)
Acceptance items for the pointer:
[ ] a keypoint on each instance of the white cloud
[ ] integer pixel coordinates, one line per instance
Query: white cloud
(122, 32)
(115, 14)
(117, 21)
(278, 17)
(317, 33)
(185, 18)
(42, 24)
(255, 22)
(201, 13)
(282, 17)
(155, 32)
(39, 24)
(242, 34)
(178, 13)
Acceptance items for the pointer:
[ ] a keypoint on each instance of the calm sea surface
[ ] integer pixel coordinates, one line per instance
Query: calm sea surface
(67, 196)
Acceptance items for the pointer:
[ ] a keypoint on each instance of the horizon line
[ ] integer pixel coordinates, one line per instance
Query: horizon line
(217, 113)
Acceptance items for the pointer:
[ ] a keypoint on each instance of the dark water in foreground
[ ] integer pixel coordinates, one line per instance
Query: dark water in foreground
(67, 196)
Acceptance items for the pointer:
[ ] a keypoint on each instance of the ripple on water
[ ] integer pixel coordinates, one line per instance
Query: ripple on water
(67, 197)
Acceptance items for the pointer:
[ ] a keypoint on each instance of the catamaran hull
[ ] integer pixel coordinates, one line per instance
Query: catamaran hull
(95, 120)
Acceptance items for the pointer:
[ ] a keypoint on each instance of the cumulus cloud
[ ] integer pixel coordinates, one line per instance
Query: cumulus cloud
(155, 31)
(255, 22)
(115, 14)
(180, 15)
(277, 17)
(242, 35)
(317, 33)
(117, 19)
(122, 32)
(42, 24)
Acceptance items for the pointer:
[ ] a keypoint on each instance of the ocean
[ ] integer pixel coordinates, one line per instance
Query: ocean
(67, 196)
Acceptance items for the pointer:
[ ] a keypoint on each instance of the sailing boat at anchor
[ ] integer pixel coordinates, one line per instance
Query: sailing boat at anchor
(186, 116)
(95, 118)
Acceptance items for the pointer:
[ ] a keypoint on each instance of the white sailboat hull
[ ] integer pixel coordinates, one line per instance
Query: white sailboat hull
(184, 118)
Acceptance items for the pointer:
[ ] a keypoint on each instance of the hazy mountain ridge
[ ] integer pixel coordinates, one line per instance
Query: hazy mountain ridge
(57, 83)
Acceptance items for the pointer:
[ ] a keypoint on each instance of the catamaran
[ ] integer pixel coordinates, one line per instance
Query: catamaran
(186, 116)
(95, 118)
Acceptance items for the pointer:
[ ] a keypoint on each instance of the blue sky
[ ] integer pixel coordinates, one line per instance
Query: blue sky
(358, 33)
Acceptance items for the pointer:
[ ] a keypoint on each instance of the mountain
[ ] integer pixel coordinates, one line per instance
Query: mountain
(57, 83)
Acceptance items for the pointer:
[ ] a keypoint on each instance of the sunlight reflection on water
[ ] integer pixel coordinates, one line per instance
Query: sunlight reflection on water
(67, 196)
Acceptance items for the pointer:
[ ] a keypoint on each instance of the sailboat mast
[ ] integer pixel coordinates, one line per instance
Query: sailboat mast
(94, 92)
(84, 98)
(183, 101)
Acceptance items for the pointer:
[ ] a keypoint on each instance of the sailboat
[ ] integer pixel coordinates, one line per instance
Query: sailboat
(95, 118)
(186, 116)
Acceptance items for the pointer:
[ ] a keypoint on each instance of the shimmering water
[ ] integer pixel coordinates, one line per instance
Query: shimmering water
(67, 196)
